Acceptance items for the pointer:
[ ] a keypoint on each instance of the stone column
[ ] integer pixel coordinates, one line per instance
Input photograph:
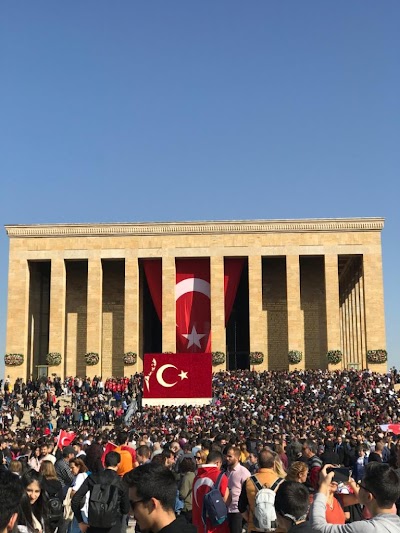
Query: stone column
(295, 313)
(362, 325)
(218, 334)
(57, 314)
(168, 304)
(357, 322)
(374, 308)
(94, 313)
(332, 305)
(257, 317)
(17, 318)
(131, 320)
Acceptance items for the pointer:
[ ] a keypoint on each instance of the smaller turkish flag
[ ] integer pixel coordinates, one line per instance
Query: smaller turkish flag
(65, 438)
(394, 428)
(180, 375)
(110, 446)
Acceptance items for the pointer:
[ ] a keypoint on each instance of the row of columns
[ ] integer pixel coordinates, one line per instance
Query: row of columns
(17, 327)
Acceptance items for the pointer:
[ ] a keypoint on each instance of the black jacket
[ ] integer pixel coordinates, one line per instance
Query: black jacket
(107, 477)
(53, 487)
(180, 525)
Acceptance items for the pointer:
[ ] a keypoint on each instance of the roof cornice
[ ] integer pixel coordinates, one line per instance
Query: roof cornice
(201, 228)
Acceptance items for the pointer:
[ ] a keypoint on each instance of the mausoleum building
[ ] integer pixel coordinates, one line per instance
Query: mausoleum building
(307, 287)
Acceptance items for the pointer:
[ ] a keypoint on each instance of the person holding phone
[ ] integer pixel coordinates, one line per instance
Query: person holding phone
(378, 491)
(334, 509)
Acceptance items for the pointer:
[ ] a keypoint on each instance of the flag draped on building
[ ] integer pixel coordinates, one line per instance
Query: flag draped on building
(193, 308)
(193, 298)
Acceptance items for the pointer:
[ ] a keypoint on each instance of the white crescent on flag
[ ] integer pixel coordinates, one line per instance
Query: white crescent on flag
(160, 377)
(192, 285)
(200, 482)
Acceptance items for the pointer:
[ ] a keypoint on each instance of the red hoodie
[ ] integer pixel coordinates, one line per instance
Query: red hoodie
(203, 482)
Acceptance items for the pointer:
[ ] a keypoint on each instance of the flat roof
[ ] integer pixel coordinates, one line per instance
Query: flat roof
(308, 225)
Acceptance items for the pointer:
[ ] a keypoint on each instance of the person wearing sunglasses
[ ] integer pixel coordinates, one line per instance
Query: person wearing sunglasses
(152, 493)
(378, 491)
(201, 457)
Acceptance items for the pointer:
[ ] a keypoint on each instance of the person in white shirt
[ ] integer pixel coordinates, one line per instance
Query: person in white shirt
(45, 454)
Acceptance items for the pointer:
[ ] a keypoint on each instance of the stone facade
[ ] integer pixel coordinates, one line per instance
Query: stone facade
(311, 285)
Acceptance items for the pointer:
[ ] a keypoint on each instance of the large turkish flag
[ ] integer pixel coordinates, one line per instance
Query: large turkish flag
(180, 375)
(193, 307)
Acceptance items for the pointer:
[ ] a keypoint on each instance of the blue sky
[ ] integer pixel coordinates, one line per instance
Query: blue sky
(177, 110)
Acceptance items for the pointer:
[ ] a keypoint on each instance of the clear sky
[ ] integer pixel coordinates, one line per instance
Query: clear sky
(182, 110)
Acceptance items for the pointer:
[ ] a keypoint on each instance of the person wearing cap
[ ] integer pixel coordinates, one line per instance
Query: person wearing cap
(63, 469)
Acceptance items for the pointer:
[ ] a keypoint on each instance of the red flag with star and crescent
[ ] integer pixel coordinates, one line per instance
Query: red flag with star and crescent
(65, 438)
(181, 375)
(193, 307)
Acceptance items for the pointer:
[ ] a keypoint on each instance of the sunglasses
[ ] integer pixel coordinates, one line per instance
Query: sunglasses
(361, 486)
(133, 503)
(197, 457)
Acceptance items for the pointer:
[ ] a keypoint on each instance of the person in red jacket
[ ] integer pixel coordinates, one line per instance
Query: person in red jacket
(203, 482)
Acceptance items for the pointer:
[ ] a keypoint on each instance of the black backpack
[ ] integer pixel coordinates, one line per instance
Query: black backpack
(103, 505)
(56, 509)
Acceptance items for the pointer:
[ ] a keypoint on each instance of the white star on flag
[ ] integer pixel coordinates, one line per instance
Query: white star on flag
(183, 375)
(194, 337)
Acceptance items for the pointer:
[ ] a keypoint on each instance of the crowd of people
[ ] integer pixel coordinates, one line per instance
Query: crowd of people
(273, 429)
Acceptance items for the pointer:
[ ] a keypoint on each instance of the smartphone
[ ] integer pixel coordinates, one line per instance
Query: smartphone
(341, 475)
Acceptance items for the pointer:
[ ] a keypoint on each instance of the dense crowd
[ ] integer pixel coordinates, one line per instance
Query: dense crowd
(296, 405)
(288, 423)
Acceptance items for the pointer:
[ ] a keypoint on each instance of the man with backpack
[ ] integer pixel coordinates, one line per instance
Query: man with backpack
(210, 494)
(256, 501)
(108, 499)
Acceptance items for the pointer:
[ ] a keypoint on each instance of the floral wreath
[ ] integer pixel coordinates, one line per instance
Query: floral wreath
(218, 358)
(256, 358)
(53, 358)
(91, 358)
(334, 356)
(13, 359)
(295, 356)
(377, 356)
(130, 358)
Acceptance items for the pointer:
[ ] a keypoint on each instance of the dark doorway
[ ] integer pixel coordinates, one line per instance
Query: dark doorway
(237, 329)
(152, 330)
(39, 314)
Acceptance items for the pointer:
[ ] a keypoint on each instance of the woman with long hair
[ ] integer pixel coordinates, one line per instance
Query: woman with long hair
(80, 472)
(94, 453)
(33, 484)
(54, 493)
(278, 466)
(51, 483)
(25, 520)
(201, 457)
(34, 461)
(187, 470)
